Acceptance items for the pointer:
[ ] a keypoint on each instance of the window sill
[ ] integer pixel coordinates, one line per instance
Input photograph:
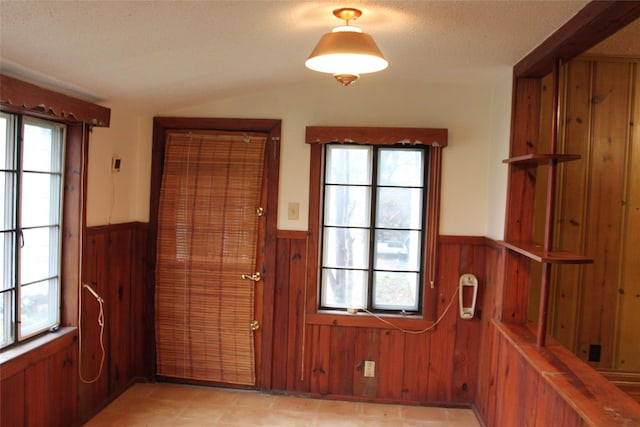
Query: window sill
(366, 320)
(18, 357)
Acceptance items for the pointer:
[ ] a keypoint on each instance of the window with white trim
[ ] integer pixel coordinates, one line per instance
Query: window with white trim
(31, 177)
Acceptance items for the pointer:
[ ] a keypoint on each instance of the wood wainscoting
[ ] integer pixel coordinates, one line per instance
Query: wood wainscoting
(320, 359)
(521, 384)
(39, 381)
(115, 265)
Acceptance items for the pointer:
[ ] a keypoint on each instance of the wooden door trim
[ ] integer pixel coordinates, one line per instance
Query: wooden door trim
(592, 24)
(271, 127)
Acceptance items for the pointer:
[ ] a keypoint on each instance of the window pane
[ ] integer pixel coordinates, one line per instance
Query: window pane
(399, 208)
(6, 315)
(403, 168)
(395, 291)
(39, 255)
(346, 247)
(344, 288)
(41, 148)
(348, 165)
(7, 260)
(40, 199)
(347, 206)
(397, 250)
(7, 145)
(38, 306)
(7, 205)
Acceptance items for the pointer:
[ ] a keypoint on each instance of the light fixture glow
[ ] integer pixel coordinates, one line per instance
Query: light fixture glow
(346, 52)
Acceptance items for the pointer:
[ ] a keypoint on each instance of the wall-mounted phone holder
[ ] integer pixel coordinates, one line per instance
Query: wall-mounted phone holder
(467, 300)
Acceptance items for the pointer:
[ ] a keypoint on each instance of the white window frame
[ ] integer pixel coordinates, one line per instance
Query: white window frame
(13, 330)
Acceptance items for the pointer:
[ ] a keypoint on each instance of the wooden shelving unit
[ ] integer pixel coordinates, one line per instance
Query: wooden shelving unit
(533, 160)
(544, 253)
(538, 253)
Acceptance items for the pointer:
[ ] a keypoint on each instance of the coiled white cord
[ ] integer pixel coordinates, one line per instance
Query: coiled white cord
(101, 324)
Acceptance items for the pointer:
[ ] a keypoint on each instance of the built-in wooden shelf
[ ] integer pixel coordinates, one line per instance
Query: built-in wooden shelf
(532, 160)
(537, 253)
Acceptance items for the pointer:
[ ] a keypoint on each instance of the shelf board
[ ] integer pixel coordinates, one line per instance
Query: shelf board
(529, 160)
(537, 253)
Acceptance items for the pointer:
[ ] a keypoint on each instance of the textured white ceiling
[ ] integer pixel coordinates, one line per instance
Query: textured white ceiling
(171, 52)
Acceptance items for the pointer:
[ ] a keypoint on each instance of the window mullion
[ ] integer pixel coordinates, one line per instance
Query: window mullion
(372, 225)
(19, 236)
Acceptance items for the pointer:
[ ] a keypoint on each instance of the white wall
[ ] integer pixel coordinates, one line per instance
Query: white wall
(124, 196)
(500, 137)
(472, 113)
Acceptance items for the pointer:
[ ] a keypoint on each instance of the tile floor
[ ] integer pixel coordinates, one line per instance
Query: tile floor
(163, 404)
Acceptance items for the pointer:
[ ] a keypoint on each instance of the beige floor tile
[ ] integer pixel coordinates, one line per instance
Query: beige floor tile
(296, 404)
(162, 404)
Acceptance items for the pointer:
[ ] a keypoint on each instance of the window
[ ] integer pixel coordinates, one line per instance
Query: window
(31, 177)
(374, 202)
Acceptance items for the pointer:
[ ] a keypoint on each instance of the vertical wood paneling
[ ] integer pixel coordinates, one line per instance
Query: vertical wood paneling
(441, 355)
(141, 325)
(115, 266)
(281, 318)
(328, 359)
(570, 218)
(13, 400)
(588, 302)
(416, 368)
(468, 333)
(524, 140)
(119, 250)
(39, 387)
(390, 365)
(35, 384)
(366, 347)
(343, 361)
(628, 346)
(605, 195)
(297, 355)
(95, 274)
(321, 359)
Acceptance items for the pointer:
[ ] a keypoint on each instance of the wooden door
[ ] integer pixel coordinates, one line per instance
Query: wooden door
(210, 240)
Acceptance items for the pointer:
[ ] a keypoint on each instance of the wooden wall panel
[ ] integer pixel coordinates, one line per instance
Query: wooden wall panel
(628, 346)
(592, 307)
(415, 369)
(115, 265)
(327, 358)
(605, 195)
(94, 384)
(390, 370)
(571, 217)
(119, 255)
(13, 399)
(320, 364)
(39, 387)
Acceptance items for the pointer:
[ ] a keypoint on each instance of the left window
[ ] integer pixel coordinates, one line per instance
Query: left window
(31, 177)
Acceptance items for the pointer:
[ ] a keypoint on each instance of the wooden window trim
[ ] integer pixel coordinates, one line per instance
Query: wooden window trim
(317, 136)
(26, 98)
(19, 97)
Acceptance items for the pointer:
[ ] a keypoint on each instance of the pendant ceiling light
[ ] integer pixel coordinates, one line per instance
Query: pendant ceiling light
(346, 52)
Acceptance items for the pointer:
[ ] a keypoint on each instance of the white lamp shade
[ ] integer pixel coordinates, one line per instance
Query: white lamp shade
(346, 52)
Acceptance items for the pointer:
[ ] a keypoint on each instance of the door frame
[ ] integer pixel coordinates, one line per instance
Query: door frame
(271, 127)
